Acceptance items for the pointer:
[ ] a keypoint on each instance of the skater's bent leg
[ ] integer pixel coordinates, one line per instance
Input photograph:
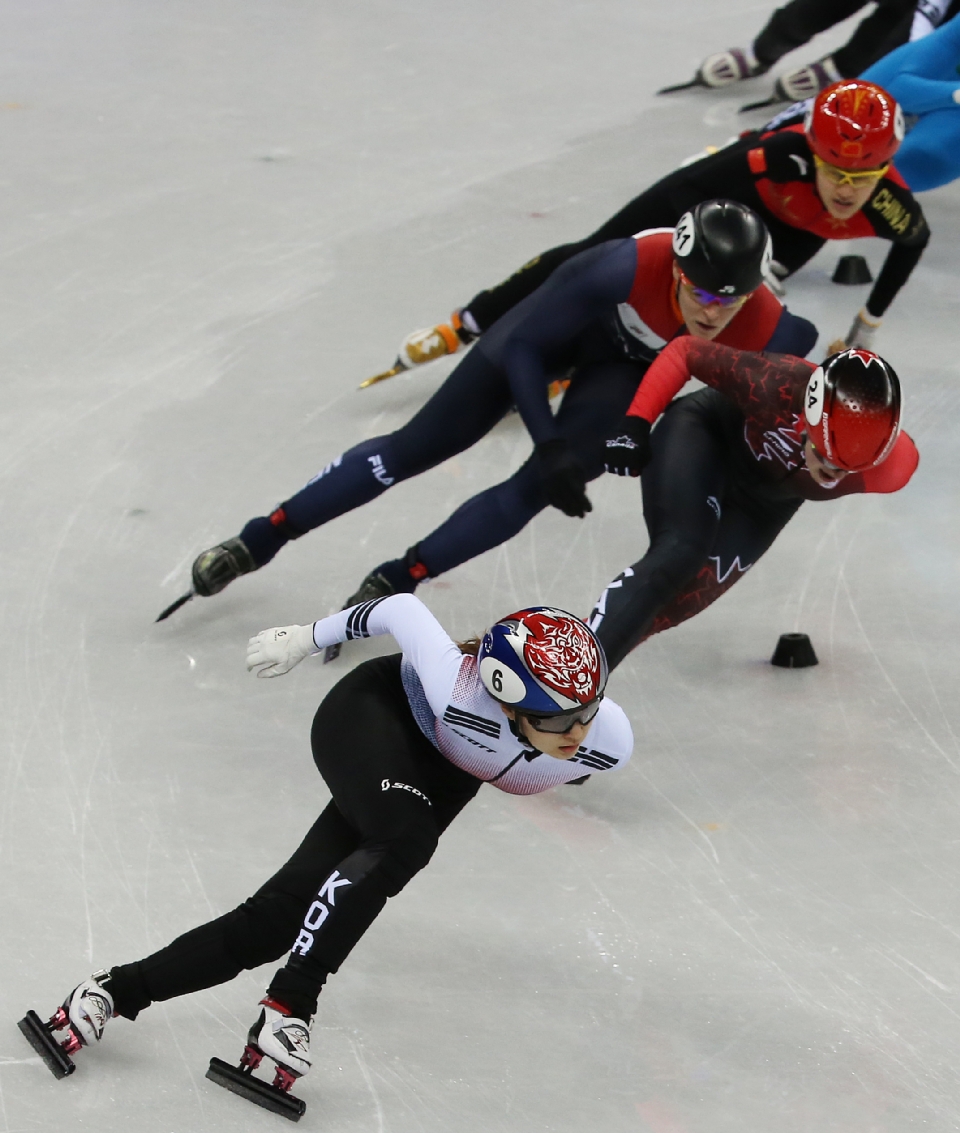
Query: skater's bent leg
(652, 209)
(592, 407)
(489, 305)
(886, 28)
(397, 792)
(743, 536)
(929, 156)
(468, 404)
(258, 931)
(483, 522)
(682, 487)
(797, 23)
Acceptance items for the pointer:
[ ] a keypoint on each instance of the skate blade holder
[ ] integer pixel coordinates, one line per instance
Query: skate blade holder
(40, 1036)
(241, 1081)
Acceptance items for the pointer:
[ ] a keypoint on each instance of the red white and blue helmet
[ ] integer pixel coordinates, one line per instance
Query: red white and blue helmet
(542, 661)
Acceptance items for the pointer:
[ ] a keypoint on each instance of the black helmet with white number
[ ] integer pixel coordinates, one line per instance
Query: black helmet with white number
(722, 247)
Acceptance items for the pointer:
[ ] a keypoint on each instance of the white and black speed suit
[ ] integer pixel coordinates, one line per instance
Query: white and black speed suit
(403, 743)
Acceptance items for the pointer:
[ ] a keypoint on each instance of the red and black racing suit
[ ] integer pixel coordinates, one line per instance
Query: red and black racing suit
(727, 473)
(773, 173)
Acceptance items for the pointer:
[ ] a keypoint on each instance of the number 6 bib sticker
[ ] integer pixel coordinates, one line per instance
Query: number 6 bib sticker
(507, 686)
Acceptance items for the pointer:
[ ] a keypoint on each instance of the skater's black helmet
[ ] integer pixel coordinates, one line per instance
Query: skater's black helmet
(722, 247)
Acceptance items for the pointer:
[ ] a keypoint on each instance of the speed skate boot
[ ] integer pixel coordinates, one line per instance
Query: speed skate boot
(727, 67)
(799, 85)
(373, 586)
(82, 1017)
(429, 344)
(281, 1037)
(215, 569)
(806, 82)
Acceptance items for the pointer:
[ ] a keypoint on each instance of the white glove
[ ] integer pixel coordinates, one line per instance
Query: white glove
(860, 336)
(863, 331)
(278, 650)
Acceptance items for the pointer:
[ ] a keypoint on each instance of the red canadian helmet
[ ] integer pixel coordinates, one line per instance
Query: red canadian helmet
(852, 409)
(855, 125)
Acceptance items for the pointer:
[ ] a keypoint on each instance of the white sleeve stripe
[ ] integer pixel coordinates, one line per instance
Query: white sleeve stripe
(359, 618)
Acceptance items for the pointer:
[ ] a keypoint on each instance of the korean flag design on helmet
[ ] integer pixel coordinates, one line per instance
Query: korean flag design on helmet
(542, 661)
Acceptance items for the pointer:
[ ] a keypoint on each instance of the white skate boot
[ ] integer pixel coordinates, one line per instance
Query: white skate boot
(81, 1019)
(732, 66)
(285, 1039)
(88, 1008)
(806, 82)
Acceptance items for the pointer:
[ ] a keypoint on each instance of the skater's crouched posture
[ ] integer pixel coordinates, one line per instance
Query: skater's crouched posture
(601, 319)
(403, 743)
(728, 466)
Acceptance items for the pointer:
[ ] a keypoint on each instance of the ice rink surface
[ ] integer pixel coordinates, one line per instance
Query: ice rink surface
(215, 220)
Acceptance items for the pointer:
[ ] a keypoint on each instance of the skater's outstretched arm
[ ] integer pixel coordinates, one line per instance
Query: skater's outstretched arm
(422, 640)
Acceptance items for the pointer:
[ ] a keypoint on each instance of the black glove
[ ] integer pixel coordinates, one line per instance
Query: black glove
(628, 451)
(563, 478)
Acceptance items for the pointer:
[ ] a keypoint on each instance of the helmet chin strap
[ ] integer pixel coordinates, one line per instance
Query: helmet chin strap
(513, 721)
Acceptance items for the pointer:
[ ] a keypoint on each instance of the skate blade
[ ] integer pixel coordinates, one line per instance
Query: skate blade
(763, 104)
(43, 1042)
(174, 606)
(681, 86)
(396, 368)
(332, 652)
(255, 1090)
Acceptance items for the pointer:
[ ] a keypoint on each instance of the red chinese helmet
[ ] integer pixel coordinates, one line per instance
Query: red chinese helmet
(854, 125)
(852, 409)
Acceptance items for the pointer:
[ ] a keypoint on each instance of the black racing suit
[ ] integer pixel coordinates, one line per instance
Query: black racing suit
(363, 734)
(727, 474)
(728, 173)
(796, 23)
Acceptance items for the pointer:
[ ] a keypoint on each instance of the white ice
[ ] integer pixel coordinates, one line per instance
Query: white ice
(215, 220)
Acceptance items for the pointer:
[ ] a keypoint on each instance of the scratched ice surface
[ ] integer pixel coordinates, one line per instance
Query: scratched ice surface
(215, 220)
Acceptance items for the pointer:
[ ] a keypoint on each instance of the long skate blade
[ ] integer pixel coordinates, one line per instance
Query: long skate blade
(43, 1042)
(763, 104)
(397, 368)
(681, 86)
(174, 606)
(332, 652)
(255, 1090)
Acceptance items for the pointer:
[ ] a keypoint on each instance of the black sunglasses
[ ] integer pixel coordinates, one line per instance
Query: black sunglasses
(564, 721)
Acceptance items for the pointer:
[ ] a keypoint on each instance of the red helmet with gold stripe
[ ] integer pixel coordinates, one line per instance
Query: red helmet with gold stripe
(854, 125)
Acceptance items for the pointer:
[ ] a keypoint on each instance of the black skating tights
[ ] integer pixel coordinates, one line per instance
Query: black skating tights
(393, 796)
